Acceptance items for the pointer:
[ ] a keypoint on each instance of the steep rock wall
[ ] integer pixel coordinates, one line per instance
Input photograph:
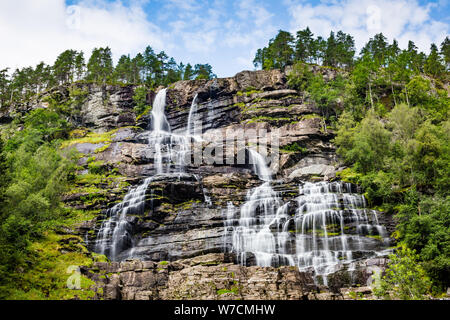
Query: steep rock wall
(185, 216)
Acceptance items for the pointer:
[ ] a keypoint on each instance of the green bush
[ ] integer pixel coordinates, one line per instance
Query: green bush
(405, 279)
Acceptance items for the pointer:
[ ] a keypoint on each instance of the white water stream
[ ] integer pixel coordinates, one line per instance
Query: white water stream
(170, 156)
(328, 226)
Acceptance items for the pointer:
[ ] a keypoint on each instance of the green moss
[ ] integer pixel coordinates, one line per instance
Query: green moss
(164, 263)
(233, 290)
(349, 175)
(268, 119)
(311, 116)
(92, 137)
(147, 110)
(240, 105)
(376, 237)
(97, 167)
(54, 261)
(102, 149)
(75, 217)
(294, 148)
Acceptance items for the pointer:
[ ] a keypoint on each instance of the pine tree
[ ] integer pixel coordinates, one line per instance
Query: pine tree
(137, 67)
(123, 71)
(4, 88)
(378, 48)
(433, 65)
(304, 45)
(330, 57)
(65, 66)
(345, 49)
(445, 51)
(203, 71)
(280, 50)
(100, 65)
(80, 65)
(188, 72)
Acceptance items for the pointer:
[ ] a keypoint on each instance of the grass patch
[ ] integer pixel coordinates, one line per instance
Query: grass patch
(92, 137)
(233, 290)
(294, 148)
(53, 261)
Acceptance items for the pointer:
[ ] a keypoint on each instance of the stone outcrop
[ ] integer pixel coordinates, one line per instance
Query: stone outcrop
(179, 239)
(215, 277)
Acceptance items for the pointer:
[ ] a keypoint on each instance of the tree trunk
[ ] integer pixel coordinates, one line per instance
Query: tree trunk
(406, 91)
(370, 94)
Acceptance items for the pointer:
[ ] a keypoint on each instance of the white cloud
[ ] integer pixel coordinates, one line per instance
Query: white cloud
(402, 20)
(34, 31)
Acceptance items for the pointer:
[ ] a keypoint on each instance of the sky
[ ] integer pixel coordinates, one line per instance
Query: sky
(223, 33)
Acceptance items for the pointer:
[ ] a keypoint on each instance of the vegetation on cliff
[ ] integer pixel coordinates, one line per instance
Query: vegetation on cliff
(390, 109)
(149, 69)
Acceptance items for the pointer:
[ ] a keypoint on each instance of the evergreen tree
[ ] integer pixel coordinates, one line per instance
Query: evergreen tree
(151, 65)
(100, 65)
(188, 73)
(80, 66)
(4, 88)
(378, 49)
(260, 58)
(65, 66)
(203, 71)
(173, 74)
(304, 45)
(318, 50)
(280, 50)
(278, 54)
(137, 67)
(345, 50)
(124, 71)
(433, 65)
(42, 78)
(330, 56)
(416, 59)
(159, 67)
(445, 51)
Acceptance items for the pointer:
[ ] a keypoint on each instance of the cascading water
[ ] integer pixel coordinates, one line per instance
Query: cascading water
(190, 125)
(114, 235)
(170, 152)
(329, 228)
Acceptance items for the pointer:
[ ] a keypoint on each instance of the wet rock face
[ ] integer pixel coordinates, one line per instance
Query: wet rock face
(185, 214)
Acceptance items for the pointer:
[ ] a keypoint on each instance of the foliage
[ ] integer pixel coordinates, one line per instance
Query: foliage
(294, 147)
(284, 50)
(278, 54)
(148, 68)
(100, 65)
(300, 76)
(37, 173)
(402, 161)
(53, 259)
(140, 100)
(405, 279)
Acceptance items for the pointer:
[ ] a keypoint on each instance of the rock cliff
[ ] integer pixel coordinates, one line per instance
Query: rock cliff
(179, 245)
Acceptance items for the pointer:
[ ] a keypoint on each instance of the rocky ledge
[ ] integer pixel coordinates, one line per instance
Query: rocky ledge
(215, 277)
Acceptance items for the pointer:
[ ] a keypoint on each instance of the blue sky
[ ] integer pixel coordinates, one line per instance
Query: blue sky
(223, 33)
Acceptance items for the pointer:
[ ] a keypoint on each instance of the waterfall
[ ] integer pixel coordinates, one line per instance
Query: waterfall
(190, 129)
(259, 165)
(330, 227)
(253, 234)
(170, 150)
(114, 235)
